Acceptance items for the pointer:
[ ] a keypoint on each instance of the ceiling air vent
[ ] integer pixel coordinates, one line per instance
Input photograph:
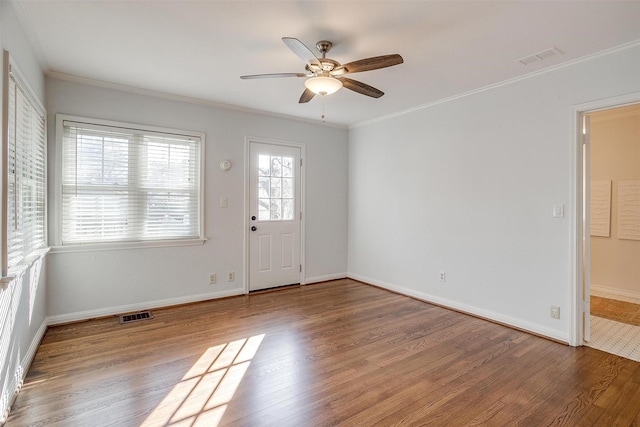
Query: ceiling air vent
(128, 318)
(540, 56)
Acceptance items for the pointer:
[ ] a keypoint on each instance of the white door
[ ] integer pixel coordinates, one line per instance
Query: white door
(274, 215)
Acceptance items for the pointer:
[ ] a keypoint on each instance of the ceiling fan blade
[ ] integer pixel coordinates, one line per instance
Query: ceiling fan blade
(369, 64)
(269, 76)
(307, 96)
(301, 50)
(360, 87)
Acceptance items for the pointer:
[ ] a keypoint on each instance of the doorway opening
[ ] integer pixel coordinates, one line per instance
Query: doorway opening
(608, 309)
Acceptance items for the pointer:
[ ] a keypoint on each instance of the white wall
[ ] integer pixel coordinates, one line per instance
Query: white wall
(467, 187)
(91, 283)
(22, 302)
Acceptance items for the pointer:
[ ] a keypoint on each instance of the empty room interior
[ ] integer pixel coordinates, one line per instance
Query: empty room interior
(320, 213)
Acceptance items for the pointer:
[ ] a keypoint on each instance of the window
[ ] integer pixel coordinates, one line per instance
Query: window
(275, 188)
(128, 183)
(24, 166)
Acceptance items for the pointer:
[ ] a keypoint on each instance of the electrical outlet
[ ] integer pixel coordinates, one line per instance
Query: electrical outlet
(555, 312)
(443, 276)
(212, 279)
(231, 276)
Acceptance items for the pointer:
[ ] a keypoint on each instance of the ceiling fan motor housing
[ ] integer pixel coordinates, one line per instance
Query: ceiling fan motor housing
(324, 46)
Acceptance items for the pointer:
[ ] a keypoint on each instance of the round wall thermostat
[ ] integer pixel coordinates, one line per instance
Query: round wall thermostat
(225, 165)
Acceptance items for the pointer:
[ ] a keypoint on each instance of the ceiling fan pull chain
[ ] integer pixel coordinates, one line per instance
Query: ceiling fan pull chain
(322, 117)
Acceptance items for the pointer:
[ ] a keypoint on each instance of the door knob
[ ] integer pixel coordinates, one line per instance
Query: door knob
(254, 228)
(253, 218)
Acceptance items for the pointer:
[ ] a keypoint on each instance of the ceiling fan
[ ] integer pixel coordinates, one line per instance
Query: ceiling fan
(325, 75)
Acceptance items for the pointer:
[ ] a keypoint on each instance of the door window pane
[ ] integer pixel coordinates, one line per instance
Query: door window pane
(263, 210)
(287, 188)
(276, 188)
(276, 209)
(264, 185)
(264, 165)
(276, 166)
(287, 167)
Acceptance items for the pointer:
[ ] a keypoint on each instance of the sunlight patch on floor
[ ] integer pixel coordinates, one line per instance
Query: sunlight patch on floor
(201, 397)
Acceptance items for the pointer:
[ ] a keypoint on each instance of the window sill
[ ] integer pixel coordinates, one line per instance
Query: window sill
(18, 271)
(92, 247)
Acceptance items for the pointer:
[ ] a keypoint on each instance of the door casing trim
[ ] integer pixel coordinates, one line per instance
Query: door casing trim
(577, 112)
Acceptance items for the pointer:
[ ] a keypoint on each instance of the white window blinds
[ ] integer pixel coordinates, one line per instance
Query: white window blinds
(124, 184)
(25, 174)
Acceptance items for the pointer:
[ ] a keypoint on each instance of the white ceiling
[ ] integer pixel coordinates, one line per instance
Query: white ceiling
(199, 49)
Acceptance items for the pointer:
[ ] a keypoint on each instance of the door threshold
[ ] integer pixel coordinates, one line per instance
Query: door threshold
(274, 289)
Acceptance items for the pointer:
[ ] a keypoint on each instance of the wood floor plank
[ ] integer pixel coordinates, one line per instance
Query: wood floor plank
(619, 311)
(336, 353)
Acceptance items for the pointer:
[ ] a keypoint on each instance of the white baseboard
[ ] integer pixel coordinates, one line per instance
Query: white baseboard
(111, 311)
(621, 294)
(21, 373)
(128, 308)
(325, 278)
(469, 309)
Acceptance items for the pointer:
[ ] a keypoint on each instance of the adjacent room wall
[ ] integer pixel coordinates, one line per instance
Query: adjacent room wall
(22, 301)
(467, 187)
(90, 283)
(615, 157)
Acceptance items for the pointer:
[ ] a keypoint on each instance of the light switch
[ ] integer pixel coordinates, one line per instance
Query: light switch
(224, 202)
(558, 211)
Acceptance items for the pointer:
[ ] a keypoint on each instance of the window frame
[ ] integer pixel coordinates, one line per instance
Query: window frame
(117, 245)
(8, 273)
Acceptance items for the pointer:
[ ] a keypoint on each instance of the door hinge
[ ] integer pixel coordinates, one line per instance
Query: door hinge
(300, 162)
(300, 268)
(586, 307)
(300, 214)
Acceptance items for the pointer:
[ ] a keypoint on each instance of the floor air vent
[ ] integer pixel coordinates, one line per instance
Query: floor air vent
(128, 318)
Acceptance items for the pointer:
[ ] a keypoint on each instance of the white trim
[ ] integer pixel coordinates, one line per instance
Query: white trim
(148, 305)
(622, 294)
(117, 246)
(180, 98)
(468, 309)
(26, 87)
(17, 271)
(568, 64)
(4, 167)
(325, 278)
(247, 172)
(198, 101)
(60, 118)
(576, 112)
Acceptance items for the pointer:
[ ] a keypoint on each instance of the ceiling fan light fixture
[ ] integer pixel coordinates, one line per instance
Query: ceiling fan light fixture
(323, 85)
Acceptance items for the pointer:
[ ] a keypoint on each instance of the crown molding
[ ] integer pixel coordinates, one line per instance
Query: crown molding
(180, 98)
(627, 46)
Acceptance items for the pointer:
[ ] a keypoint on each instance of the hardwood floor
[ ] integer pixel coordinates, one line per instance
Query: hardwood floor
(336, 353)
(620, 311)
